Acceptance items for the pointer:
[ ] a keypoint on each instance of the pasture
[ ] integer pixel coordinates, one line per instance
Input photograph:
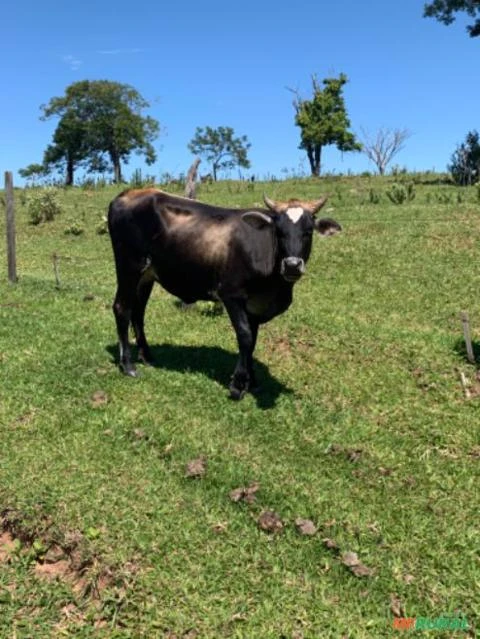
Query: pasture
(362, 427)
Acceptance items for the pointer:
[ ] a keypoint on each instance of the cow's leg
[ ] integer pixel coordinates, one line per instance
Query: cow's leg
(144, 289)
(126, 306)
(122, 309)
(246, 330)
(253, 384)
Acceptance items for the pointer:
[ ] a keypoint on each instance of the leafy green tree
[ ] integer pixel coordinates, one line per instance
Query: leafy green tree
(99, 120)
(220, 148)
(34, 172)
(323, 120)
(444, 10)
(465, 161)
(70, 146)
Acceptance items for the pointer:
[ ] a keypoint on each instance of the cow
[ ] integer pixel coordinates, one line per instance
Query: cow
(249, 259)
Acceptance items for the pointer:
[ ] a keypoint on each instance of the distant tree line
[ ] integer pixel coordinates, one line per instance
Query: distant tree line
(101, 123)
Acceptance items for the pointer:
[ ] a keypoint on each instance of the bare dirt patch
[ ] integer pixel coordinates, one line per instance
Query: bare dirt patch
(7, 547)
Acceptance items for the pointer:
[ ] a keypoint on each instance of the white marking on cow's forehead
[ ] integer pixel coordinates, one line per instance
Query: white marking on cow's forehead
(294, 213)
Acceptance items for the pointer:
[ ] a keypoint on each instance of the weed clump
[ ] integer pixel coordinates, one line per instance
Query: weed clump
(400, 193)
(43, 205)
(74, 229)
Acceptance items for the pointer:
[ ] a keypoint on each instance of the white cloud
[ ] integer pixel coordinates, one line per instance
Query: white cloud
(73, 62)
(119, 51)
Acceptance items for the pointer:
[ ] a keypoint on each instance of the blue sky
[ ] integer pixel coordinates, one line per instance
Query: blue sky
(222, 63)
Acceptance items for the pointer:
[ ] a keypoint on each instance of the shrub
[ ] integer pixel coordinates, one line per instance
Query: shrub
(373, 196)
(102, 227)
(443, 197)
(74, 229)
(43, 205)
(400, 193)
(23, 197)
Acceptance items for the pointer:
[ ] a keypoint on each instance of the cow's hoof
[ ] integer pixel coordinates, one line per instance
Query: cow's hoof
(145, 356)
(237, 393)
(129, 371)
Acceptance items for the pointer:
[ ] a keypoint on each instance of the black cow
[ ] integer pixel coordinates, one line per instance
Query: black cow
(247, 258)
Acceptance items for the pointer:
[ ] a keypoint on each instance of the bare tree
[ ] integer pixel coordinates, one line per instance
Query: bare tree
(384, 146)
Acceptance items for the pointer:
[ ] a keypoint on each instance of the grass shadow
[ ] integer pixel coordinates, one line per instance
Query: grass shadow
(214, 362)
(207, 309)
(461, 350)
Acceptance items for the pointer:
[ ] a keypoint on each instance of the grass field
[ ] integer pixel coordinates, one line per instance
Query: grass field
(362, 427)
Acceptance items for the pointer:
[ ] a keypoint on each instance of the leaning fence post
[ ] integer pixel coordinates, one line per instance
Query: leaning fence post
(191, 180)
(10, 227)
(466, 335)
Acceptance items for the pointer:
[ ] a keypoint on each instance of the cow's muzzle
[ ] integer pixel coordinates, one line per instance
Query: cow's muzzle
(292, 268)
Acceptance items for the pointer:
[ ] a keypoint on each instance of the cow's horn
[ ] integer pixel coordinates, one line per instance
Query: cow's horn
(269, 203)
(316, 205)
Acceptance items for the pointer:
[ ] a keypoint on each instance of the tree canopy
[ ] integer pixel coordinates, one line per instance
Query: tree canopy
(99, 122)
(465, 161)
(323, 120)
(220, 148)
(445, 10)
(33, 171)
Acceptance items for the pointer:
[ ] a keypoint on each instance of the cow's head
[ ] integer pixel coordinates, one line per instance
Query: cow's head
(294, 223)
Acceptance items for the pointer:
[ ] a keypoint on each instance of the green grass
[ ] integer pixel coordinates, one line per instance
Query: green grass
(362, 427)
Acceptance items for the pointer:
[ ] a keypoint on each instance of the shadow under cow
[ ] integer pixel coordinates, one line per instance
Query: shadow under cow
(213, 362)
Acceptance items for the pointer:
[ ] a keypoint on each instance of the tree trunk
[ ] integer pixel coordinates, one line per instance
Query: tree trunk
(318, 155)
(310, 159)
(314, 154)
(214, 169)
(69, 174)
(117, 168)
(117, 172)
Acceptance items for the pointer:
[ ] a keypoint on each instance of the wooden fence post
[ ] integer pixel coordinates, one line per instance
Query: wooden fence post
(190, 183)
(10, 212)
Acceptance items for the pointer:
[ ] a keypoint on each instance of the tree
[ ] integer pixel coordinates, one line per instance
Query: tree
(99, 120)
(323, 120)
(33, 172)
(465, 161)
(70, 146)
(382, 148)
(444, 10)
(220, 148)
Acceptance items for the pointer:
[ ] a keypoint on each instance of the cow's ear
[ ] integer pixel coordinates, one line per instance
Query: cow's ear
(327, 226)
(256, 219)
